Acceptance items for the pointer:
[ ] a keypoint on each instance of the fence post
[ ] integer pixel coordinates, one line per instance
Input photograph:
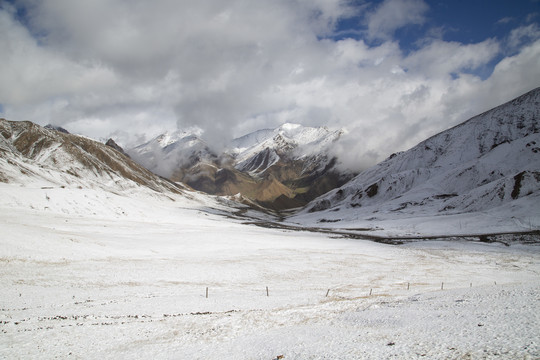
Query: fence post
(267, 294)
(207, 292)
(408, 286)
(328, 292)
(370, 291)
(442, 286)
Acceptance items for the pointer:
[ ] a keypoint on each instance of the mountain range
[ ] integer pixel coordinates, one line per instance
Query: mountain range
(279, 168)
(481, 176)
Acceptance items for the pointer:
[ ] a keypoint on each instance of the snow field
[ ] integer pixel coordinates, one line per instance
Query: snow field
(91, 274)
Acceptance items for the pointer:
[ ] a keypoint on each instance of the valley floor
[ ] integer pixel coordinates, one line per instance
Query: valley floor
(89, 274)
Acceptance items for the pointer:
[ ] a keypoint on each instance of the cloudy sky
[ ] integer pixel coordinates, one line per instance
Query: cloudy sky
(391, 72)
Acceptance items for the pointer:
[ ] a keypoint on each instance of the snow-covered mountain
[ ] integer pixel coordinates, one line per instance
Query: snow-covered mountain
(487, 165)
(30, 154)
(258, 151)
(172, 151)
(280, 168)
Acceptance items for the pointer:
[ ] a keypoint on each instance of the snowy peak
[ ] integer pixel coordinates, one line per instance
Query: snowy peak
(171, 140)
(168, 139)
(286, 136)
(299, 135)
(293, 141)
(252, 139)
(172, 150)
(488, 162)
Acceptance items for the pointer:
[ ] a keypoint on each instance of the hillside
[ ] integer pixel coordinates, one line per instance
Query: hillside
(30, 153)
(488, 166)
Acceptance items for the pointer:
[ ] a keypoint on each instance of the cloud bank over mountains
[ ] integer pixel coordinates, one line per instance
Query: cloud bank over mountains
(138, 68)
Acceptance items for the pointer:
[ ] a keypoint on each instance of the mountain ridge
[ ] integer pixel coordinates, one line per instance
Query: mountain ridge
(33, 153)
(485, 163)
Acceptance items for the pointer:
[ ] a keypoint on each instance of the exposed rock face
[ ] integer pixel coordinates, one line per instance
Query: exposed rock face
(116, 147)
(56, 128)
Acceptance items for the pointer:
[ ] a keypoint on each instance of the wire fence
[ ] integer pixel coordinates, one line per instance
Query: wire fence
(343, 291)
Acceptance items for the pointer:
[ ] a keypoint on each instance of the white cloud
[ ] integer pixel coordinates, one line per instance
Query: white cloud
(35, 73)
(505, 20)
(532, 16)
(394, 14)
(136, 67)
(441, 57)
(522, 35)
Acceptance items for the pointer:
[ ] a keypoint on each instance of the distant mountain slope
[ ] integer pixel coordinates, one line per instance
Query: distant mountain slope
(280, 168)
(31, 153)
(489, 161)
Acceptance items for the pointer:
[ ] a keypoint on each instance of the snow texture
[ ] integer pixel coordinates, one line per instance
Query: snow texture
(92, 274)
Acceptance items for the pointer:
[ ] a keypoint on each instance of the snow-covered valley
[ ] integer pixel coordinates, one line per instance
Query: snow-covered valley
(92, 274)
(103, 259)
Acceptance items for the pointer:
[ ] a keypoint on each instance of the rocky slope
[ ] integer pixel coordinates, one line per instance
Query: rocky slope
(31, 153)
(483, 165)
